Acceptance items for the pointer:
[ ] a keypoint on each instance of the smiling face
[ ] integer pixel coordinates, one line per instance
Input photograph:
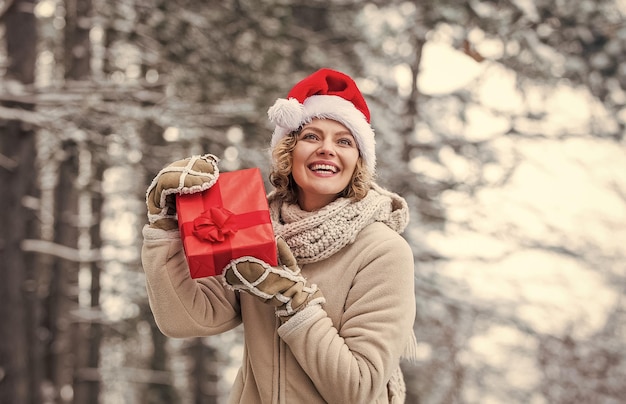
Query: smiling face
(324, 159)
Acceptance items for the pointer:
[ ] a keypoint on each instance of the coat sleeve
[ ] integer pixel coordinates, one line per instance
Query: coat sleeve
(353, 363)
(182, 306)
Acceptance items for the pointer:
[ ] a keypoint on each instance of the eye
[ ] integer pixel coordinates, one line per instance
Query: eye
(344, 141)
(308, 136)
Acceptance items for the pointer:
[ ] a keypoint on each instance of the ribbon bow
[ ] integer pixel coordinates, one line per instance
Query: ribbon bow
(215, 224)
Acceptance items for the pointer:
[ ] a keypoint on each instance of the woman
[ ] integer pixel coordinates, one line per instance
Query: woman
(331, 323)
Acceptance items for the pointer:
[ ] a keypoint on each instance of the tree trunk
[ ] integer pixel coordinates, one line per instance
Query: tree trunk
(95, 329)
(88, 332)
(77, 46)
(62, 295)
(20, 379)
(19, 350)
(158, 392)
(205, 373)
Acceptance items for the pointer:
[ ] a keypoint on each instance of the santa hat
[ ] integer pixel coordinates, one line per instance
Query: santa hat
(326, 94)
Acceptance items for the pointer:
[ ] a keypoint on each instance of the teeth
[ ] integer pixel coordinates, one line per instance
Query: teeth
(324, 167)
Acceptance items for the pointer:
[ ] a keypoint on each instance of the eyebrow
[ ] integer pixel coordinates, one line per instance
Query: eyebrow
(320, 131)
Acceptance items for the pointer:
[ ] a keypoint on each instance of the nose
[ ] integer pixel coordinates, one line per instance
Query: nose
(326, 148)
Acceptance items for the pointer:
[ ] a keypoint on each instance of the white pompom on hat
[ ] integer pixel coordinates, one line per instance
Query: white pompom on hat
(326, 94)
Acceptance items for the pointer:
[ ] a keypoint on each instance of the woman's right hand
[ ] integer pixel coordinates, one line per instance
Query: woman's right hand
(188, 176)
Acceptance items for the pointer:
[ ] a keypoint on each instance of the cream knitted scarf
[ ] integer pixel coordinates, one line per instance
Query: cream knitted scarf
(314, 236)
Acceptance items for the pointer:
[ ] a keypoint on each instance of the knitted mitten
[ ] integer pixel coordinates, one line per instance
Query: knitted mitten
(188, 176)
(283, 286)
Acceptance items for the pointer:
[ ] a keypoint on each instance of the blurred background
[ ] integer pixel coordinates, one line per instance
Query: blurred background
(501, 122)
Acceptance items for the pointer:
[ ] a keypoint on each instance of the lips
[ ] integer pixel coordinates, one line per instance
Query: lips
(324, 168)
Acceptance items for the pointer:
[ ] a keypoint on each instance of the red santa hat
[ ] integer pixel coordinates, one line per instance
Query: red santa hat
(327, 94)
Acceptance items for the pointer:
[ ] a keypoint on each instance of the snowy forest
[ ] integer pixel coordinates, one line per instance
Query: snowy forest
(501, 122)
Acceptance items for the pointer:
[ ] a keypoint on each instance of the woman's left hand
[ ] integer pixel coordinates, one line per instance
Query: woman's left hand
(282, 286)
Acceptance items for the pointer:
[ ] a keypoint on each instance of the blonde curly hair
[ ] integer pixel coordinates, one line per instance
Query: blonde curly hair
(285, 186)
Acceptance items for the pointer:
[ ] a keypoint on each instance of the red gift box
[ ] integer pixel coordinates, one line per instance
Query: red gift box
(229, 220)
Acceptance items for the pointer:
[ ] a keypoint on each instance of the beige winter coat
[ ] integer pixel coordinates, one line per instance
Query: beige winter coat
(345, 352)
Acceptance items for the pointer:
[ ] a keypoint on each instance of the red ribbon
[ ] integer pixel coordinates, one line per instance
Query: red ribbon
(215, 225)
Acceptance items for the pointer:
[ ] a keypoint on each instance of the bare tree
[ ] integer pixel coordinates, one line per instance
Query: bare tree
(20, 349)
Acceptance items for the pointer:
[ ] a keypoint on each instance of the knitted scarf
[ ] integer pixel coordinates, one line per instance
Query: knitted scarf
(314, 236)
